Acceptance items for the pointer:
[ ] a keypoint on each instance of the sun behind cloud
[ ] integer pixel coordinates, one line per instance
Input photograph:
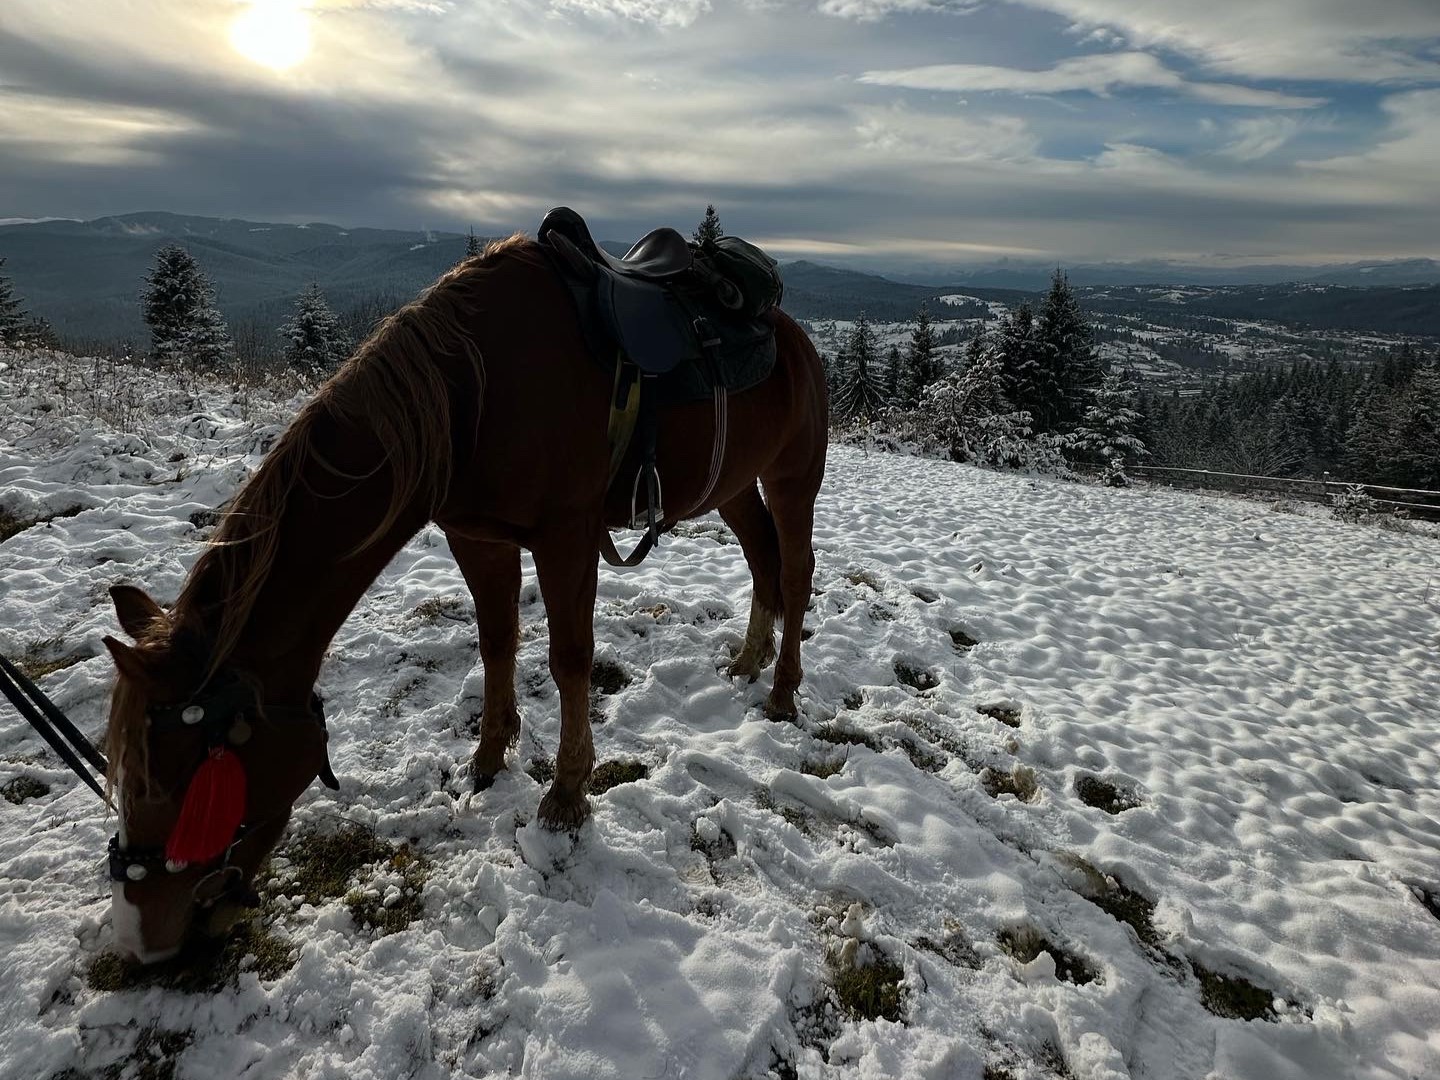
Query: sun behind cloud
(275, 33)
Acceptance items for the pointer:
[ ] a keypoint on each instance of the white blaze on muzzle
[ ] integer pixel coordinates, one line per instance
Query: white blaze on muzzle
(125, 915)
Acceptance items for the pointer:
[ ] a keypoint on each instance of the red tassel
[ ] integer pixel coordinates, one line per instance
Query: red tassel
(214, 807)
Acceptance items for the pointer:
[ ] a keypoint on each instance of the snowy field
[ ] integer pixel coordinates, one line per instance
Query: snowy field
(1079, 772)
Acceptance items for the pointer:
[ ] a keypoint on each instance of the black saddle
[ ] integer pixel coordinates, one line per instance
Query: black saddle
(659, 306)
(659, 254)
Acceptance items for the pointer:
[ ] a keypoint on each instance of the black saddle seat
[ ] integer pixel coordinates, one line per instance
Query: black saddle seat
(659, 254)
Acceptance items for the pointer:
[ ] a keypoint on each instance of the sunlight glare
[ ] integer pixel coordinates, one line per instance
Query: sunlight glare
(275, 33)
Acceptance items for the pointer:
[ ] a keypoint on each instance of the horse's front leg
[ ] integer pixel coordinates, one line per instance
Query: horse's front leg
(567, 568)
(492, 571)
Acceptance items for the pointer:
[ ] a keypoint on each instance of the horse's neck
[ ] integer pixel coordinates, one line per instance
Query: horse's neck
(317, 576)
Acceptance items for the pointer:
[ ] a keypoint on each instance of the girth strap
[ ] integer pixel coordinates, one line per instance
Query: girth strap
(632, 406)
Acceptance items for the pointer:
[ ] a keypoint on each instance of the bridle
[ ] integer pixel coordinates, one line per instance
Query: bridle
(223, 710)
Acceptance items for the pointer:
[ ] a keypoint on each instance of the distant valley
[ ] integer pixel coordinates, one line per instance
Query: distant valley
(85, 278)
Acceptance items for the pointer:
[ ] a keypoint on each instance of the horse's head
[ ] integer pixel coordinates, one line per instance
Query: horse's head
(178, 730)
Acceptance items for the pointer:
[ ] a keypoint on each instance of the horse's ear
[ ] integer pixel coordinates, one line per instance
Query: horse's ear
(129, 661)
(135, 610)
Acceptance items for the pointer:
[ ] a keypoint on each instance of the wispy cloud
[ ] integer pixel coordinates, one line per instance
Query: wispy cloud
(1259, 137)
(1099, 73)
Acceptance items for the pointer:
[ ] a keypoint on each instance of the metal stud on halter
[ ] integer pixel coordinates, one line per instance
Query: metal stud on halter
(193, 714)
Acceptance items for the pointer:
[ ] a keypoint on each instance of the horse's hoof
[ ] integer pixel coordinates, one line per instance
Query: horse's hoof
(561, 811)
(745, 667)
(482, 782)
(781, 707)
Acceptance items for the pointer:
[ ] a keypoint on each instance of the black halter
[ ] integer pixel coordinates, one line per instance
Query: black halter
(222, 710)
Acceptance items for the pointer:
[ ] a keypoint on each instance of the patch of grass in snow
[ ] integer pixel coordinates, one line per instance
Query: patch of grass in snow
(390, 707)
(1116, 899)
(853, 700)
(12, 524)
(953, 945)
(933, 733)
(793, 814)
(1019, 781)
(923, 594)
(915, 676)
(1006, 713)
(392, 907)
(155, 1056)
(324, 865)
(864, 577)
(608, 677)
(822, 767)
(205, 966)
(1103, 795)
(609, 774)
(22, 788)
(867, 991)
(834, 733)
(442, 607)
(541, 769)
(47, 656)
(1235, 997)
(922, 757)
(1025, 943)
(1134, 909)
(716, 850)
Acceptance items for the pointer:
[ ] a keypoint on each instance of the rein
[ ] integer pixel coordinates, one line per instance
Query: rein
(54, 726)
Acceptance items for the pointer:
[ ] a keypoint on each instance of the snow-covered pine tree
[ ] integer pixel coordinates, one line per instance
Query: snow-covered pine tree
(1106, 432)
(472, 244)
(1025, 377)
(894, 376)
(315, 341)
(178, 304)
(12, 312)
(860, 394)
(1071, 370)
(709, 228)
(967, 416)
(923, 366)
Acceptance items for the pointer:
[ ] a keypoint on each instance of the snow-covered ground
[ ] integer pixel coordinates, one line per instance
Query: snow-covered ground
(1252, 693)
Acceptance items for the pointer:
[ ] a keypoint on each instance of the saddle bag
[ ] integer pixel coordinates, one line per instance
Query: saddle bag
(754, 274)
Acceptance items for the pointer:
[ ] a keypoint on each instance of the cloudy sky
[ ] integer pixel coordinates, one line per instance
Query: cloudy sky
(953, 131)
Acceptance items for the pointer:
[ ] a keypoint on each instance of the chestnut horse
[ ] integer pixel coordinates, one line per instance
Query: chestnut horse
(477, 407)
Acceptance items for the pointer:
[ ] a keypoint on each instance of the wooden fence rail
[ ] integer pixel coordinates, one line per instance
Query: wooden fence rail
(1418, 504)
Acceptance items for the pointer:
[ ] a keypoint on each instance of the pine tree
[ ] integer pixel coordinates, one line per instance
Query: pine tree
(923, 367)
(178, 303)
(472, 244)
(894, 376)
(1106, 432)
(1025, 375)
(968, 416)
(1071, 371)
(860, 394)
(12, 312)
(315, 341)
(709, 228)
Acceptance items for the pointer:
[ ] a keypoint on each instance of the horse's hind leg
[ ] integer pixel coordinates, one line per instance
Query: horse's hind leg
(752, 524)
(792, 502)
(492, 570)
(567, 567)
